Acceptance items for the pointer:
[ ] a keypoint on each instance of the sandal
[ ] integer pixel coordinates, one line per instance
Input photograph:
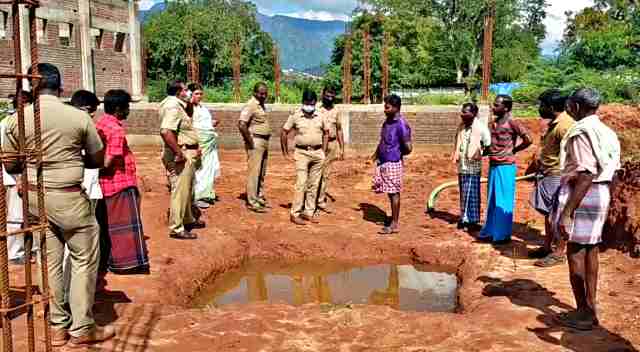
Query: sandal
(184, 235)
(388, 230)
(198, 224)
(259, 210)
(539, 253)
(549, 261)
(571, 320)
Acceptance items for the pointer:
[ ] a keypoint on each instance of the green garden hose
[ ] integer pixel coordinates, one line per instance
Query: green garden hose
(431, 203)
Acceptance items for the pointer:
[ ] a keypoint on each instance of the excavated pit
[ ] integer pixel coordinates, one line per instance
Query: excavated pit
(401, 286)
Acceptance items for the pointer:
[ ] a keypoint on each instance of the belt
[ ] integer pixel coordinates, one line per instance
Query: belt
(261, 136)
(191, 146)
(333, 139)
(309, 147)
(70, 189)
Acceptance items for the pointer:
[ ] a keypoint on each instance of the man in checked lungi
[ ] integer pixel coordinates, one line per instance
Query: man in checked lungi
(472, 138)
(118, 213)
(552, 105)
(395, 143)
(590, 157)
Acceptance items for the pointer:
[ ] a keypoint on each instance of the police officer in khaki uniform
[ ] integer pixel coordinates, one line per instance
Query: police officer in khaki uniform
(312, 135)
(256, 131)
(181, 158)
(66, 131)
(335, 148)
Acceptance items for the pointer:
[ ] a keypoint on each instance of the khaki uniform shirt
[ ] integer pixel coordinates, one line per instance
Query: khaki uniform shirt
(66, 131)
(331, 117)
(309, 130)
(550, 153)
(256, 117)
(173, 117)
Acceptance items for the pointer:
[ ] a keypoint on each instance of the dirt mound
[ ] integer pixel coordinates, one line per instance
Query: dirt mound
(621, 230)
(623, 223)
(625, 120)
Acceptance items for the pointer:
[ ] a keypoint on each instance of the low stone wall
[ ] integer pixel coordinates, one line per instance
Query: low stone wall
(431, 125)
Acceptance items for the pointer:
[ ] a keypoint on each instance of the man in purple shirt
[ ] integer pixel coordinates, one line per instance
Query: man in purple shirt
(395, 142)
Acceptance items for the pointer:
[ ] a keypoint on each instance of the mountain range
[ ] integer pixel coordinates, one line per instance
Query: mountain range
(304, 44)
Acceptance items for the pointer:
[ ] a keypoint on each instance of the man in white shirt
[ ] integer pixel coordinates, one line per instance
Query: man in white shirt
(14, 202)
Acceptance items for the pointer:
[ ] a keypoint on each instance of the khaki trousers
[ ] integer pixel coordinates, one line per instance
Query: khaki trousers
(308, 173)
(257, 169)
(71, 223)
(333, 150)
(181, 176)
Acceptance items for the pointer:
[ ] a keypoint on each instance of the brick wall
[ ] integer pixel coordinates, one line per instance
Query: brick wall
(109, 9)
(6, 56)
(65, 58)
(430, 126)
(112, 69)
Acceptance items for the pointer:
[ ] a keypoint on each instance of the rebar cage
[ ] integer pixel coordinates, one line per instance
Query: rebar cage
(31, 225)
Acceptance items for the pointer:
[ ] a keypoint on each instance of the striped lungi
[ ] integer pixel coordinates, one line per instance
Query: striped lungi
(589, 217)
(121, 224)
(469, 198)
(388, 178)
(543, 196)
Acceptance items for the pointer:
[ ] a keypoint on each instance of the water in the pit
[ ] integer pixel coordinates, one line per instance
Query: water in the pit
(403, 287)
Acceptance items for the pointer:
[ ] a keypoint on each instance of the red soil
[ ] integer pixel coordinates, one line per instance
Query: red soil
(507, 303)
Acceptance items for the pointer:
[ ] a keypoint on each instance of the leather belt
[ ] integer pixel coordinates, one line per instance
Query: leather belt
(333, 139)
(71, 189)
(261, 136)
(309, 147)
(191, 146)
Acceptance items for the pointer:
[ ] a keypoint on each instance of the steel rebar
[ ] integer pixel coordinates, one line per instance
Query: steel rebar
(37, 124)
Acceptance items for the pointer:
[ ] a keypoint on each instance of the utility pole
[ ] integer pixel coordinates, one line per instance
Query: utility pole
(346, 68)
(366, 69)
(487, 50)
(237, 53)
(385, 64)
(277, 72)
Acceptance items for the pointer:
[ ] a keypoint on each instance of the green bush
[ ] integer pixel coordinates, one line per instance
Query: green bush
(290, 91)
(616, 86)
(4, 108)
(440, 99)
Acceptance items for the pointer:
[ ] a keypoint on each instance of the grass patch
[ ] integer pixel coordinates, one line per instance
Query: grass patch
(440, 99)
(526, 112)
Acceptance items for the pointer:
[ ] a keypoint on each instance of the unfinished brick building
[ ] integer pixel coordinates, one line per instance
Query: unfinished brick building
(95, 43)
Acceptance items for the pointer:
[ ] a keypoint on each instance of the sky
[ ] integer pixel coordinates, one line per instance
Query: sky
(327, 10)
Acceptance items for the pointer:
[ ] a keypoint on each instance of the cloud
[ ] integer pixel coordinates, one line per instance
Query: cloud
(146, 4)
(556, 21)
(318, 16)
(334, 7)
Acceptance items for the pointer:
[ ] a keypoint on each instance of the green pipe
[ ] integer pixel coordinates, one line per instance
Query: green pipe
(431, 204)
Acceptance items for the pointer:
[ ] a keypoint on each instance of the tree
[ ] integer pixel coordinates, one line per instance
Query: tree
(440, 41)
(207, 31)
(605, 36)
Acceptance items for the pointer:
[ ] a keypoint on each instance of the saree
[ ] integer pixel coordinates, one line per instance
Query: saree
(209, 170)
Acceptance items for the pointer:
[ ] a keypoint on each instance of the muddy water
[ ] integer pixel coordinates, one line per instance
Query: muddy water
(403, 287)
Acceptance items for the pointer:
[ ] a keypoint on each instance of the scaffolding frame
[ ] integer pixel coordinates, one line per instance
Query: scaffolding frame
(31, 225)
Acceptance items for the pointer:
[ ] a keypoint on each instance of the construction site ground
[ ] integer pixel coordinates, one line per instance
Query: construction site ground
(506, 303)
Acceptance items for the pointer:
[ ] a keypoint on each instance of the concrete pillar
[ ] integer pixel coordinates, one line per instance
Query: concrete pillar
(86, 54)
(345, 121)
(136, 50)
(25, 44)
(485, 114)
